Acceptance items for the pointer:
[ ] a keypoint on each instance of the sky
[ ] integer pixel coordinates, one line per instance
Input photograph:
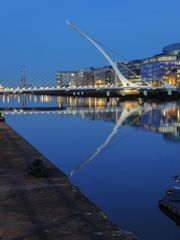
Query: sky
(33, 33)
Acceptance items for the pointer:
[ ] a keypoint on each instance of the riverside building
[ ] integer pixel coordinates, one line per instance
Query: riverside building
(86, 77)
(155, 70)
(81, 77)
(163, 67)
(131, 70)
(104, 76)
(66, 78)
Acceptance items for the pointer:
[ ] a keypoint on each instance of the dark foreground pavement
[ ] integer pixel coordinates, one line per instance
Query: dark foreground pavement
(39, 202)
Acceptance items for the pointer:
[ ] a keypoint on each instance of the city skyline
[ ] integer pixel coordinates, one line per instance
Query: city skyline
(35, 34)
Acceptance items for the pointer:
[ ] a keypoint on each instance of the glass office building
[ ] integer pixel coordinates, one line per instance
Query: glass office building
(163, 67)
(131, 70)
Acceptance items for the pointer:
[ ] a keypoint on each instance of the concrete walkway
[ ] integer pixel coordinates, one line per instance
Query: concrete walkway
(39, 202)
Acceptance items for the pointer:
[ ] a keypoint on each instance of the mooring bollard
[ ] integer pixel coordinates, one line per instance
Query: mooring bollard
(38, 169)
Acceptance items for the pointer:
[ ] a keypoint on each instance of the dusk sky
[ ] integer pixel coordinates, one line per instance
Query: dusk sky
(34, 33)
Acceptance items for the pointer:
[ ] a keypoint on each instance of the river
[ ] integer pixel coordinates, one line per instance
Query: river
(122, 155)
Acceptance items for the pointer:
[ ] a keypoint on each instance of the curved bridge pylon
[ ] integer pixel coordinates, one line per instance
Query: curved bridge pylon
(122, 80)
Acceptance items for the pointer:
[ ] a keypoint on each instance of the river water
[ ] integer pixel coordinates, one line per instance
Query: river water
(122, 155)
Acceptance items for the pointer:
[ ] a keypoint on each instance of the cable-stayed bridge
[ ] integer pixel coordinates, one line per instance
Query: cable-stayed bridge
(107, 91)
(122, 87)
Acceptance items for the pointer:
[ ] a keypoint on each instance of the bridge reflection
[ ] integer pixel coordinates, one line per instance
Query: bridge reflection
(157, 117)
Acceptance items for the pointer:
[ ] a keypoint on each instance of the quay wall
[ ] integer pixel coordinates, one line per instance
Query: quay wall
(37, 200)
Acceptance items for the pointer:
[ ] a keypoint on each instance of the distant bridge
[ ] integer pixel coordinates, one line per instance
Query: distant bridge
(122, 80)
(122, 87)
(57, 110)
(107, 91)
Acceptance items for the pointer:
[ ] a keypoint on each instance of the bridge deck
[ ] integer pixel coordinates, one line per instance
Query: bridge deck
(44, 208)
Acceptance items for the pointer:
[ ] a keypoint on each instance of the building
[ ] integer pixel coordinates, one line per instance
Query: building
(81, 77)
(155, 70)
(163, 67)
(85, 77)
(131, 70)
(66, 78)
(104, 75)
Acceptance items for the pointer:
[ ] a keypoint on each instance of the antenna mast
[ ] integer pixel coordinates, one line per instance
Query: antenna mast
(22, 76)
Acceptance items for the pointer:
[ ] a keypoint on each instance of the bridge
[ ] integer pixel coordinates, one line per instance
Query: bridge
(58, 110)
(122, 87)
(105, 91)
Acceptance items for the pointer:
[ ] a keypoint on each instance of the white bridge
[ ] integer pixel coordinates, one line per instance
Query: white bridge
(96, 90)
(122, 80)
(122, 86)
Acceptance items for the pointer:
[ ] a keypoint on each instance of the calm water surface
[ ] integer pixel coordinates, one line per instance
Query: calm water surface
(122, 155)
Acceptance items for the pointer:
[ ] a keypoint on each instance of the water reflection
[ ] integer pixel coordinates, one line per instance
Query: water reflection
(152, 116)
(126, 112)
(25, 100)
(173, 217)
(116, 167)
(161, 117)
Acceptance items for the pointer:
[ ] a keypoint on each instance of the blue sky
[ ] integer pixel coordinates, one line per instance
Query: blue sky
(33, 33)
